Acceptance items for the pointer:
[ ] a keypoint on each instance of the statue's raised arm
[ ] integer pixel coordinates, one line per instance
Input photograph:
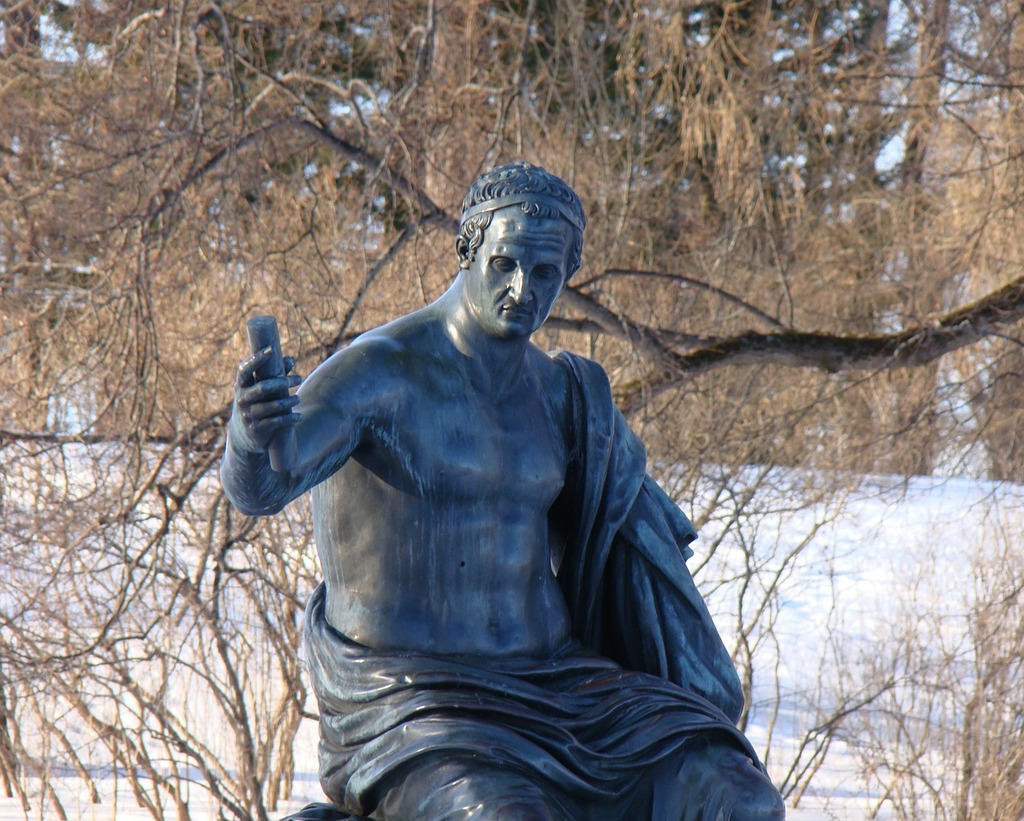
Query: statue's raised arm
(506, 628)
(314, 431)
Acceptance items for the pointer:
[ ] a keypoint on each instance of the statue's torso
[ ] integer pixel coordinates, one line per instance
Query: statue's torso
(434, 535)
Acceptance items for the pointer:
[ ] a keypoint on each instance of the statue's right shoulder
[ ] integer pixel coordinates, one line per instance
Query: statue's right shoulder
(376, 366)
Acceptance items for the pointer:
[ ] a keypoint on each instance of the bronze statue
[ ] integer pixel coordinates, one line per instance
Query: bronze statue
(506, 626)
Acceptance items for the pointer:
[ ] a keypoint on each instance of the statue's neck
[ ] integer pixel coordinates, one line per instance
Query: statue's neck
(493, 364)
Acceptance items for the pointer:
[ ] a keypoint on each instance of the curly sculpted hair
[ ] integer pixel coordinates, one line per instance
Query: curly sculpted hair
(511, 180)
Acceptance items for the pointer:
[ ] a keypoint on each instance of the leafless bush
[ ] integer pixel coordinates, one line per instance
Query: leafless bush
(804, 253)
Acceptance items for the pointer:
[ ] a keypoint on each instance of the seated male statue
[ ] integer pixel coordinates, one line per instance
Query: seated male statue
(506, 628)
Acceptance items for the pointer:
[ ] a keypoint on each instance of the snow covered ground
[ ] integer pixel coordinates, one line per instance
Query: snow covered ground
(848, 579)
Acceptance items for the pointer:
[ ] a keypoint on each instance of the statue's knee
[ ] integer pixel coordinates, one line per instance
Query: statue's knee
(461, 788)
(718, 781)
(760, 804)
(755, 796)
(525, 810)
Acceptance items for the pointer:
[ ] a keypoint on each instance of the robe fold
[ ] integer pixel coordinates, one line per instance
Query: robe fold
(624, 572)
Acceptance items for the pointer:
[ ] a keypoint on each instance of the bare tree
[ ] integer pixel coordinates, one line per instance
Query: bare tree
(803, 253)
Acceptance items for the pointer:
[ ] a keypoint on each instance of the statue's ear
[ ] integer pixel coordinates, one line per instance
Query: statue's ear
(462, 249)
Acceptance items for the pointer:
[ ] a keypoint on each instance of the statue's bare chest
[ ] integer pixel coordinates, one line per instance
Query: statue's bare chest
(460, 446)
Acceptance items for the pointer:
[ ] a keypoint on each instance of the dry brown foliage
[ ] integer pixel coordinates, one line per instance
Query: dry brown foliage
(804, 251)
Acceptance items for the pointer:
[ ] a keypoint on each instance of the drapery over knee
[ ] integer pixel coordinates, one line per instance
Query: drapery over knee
(579, 727)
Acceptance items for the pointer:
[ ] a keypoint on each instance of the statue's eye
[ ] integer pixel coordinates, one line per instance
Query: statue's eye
(503, 265)
(546, 271)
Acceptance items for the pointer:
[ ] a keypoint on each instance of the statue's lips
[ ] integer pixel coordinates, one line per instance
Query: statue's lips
(515, 311)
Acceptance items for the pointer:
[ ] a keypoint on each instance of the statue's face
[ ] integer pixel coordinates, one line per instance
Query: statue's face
(517, 273)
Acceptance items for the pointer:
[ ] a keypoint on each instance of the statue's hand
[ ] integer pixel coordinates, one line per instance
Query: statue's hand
(264, 406)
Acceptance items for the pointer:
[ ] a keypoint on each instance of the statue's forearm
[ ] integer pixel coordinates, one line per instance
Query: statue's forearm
(250, 483)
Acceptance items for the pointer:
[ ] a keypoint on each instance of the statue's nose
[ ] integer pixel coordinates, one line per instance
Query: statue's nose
(517, 288)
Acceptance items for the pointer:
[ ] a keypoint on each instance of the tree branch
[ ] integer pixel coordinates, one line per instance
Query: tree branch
(906, 349)
(694, 282)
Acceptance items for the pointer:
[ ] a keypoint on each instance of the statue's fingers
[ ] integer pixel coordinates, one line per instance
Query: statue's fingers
(247, 367)
(264, 429)
(273, 407)
(267, 389)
